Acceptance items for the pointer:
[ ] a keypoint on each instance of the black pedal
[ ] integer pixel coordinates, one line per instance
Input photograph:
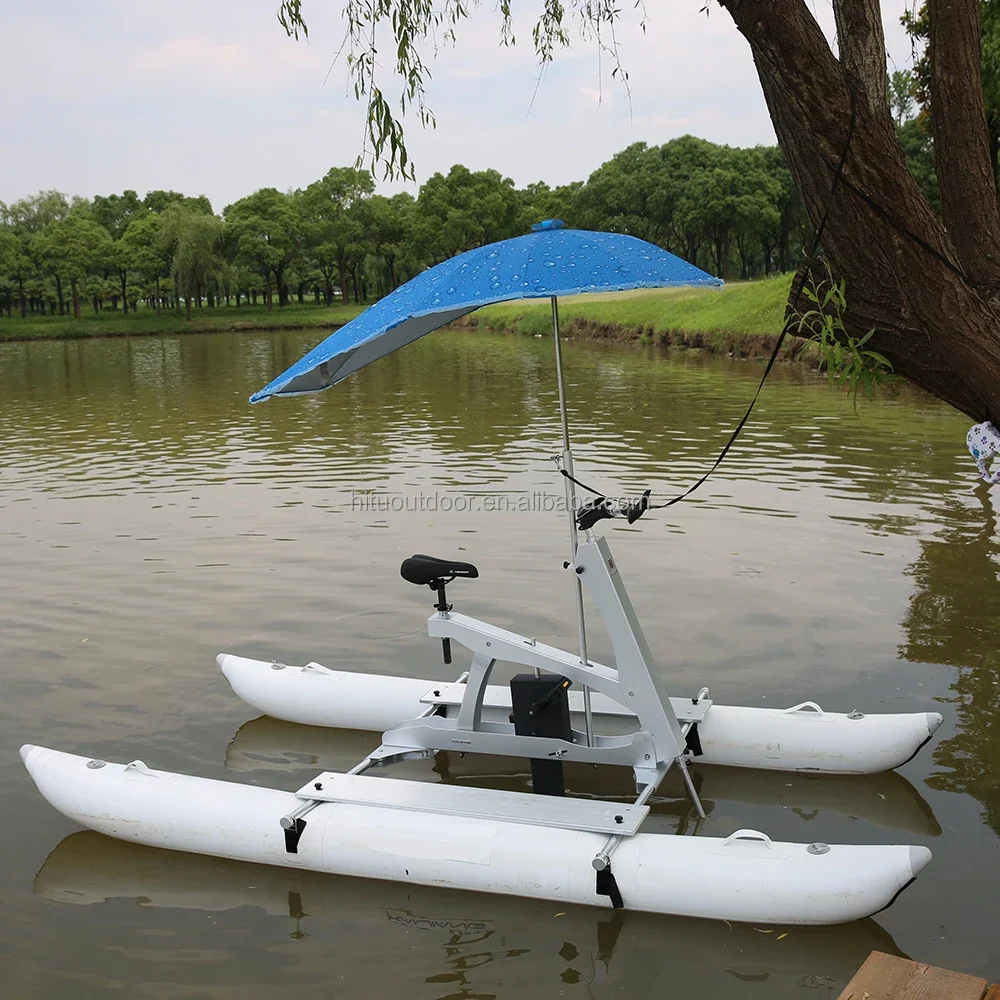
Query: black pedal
(541, 708)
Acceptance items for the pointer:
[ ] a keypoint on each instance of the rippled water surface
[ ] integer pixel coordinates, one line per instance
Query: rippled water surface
(149, 518)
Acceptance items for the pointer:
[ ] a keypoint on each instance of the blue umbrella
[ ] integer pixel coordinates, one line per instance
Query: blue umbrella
(548, 262)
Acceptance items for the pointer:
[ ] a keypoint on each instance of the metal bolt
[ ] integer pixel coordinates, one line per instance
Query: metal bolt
(856, 715)
(579, 570)
(818, 849)
(275, 665)
(619, 819)
(647, 756)
(318, 785)
(437, 694)
(95, 764)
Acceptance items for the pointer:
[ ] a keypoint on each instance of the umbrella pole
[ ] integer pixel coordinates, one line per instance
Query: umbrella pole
(567, 464)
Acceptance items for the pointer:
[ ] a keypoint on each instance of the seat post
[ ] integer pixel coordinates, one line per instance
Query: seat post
(443, 607)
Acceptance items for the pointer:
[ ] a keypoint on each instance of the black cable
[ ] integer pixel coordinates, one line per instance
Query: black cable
(789, 323)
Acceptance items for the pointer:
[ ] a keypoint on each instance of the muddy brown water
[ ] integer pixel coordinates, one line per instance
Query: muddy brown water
(150, 518)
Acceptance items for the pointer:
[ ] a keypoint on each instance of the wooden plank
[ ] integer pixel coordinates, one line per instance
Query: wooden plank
(993, 993)
(889, 977)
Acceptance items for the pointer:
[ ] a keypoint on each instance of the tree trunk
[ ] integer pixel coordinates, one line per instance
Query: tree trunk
(157, 295)
(929, 302)
(124, 280)
(76, 298)
(187, 303)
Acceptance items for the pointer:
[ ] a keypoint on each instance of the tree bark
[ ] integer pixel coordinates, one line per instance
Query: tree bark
(76, 298)
(157, 295)
(904, 275)
(124, 281)
(962, 140)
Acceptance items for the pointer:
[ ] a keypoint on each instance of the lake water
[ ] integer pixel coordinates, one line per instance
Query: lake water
(150, 518)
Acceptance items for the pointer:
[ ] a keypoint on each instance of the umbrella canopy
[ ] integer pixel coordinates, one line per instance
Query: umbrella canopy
(547, 262)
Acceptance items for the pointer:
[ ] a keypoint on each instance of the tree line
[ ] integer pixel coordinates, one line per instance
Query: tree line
(729, 210)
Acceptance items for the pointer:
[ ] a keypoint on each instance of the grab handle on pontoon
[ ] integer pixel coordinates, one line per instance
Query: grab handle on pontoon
(748, 835)
(804, 706)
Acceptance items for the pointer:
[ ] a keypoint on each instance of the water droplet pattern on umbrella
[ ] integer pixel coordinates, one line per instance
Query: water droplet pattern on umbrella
(552, 261)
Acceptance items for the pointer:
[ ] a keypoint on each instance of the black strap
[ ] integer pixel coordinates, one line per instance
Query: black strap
(607, 886)
(293, 836)
(693, 741)
(789, 323)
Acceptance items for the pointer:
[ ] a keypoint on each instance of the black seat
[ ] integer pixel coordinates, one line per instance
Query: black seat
(427, 570)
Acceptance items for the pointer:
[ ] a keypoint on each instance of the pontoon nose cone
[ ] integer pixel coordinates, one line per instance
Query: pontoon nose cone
(933, 721)
(919, 858)
(223, 660)
(27, 751)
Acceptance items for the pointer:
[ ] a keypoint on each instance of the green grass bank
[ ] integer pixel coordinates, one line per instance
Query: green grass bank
(145, 322)
(743, 319)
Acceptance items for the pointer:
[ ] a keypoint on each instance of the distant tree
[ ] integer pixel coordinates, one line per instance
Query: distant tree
(914, 138)
(193, 238)
(265, 232)
(75, 247)
(10, 249)
(902, 99)
(540, 202)
(32, 214)
(115, 212)
(145, 248)
(158, 201)
(389, 224)
(465, 209)
(330, 223)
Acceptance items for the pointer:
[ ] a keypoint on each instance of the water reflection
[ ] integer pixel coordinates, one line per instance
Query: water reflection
(455, 944)
(176, 406)
(954, 618)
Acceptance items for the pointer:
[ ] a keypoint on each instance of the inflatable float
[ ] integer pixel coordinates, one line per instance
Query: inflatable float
(800, 738)
(744, 877)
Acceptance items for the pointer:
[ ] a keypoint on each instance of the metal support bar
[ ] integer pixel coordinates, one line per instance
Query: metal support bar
(290, 821)
(692, 791)
(603, 857)
(287, 822)
(570, 492)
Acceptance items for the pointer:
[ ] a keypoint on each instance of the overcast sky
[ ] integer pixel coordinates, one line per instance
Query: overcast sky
(210, 96)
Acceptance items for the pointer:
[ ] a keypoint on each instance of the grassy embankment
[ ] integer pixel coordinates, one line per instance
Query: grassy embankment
(743, 319)
(145, 322)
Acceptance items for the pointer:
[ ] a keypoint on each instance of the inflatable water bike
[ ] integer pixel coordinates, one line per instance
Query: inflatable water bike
(565, 707)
